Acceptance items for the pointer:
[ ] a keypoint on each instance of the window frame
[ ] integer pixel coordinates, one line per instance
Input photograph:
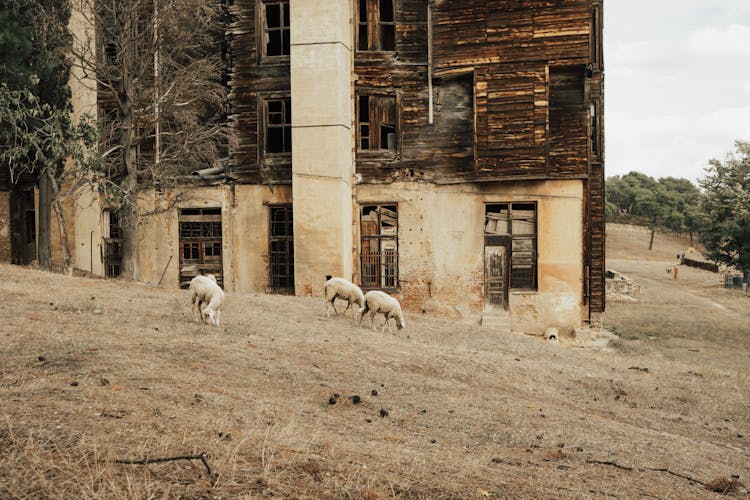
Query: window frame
(263, 29)
(288, 240)
(264, 123)
(373, 24)
(375, 125)
(382, 276)
(513, 238)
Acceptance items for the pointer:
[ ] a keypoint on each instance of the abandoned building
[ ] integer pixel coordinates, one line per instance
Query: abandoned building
(449, 152)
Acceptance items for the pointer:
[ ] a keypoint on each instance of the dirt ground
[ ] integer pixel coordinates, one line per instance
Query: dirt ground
(95, 371)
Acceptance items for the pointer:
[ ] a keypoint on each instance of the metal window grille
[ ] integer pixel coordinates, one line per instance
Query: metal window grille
(379, 247)
(281, 249)
(200, 244)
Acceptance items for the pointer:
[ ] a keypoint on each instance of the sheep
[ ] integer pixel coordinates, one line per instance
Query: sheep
(207, 297)
(345, 290)
(380, 302)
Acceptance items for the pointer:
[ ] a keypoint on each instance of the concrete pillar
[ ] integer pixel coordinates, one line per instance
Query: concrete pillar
(322, 157)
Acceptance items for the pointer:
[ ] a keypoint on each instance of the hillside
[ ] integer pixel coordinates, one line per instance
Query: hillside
(92, 371)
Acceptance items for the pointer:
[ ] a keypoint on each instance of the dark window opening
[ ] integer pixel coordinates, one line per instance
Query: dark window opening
(278, 135)
(377, 120)
(517, 220)
(376, 26)
(30, 226)
(379, 247)
(276, 28)
(112, 244)
(281, 249)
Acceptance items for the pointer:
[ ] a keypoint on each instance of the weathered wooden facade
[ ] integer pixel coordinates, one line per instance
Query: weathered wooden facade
(470, 92)
(448, 151)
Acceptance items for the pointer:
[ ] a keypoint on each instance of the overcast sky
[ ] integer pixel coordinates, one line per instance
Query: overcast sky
(677, 88)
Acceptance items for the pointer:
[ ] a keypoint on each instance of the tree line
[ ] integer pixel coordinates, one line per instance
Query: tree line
(717, 209)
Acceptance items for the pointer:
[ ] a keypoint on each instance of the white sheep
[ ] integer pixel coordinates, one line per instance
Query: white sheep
(207, 297)
(345, 290)
(380, 302)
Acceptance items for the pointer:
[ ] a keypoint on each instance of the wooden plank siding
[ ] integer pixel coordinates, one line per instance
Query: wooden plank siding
(252, 79)
(513, 82)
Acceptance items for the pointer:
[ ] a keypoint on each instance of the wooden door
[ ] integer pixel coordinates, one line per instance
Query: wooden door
(495, 277)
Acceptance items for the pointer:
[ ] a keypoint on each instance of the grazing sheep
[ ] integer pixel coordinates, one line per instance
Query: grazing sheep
(345, 290)
(207, 297)
(380, 302)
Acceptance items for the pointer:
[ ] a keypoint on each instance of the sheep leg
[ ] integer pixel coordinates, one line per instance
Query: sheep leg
(362, 313)
(372, 320)
(348, 306)
(387, 322)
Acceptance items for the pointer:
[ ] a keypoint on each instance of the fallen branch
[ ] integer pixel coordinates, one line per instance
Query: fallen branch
(693, 480)
(146, 461)
(607, 462)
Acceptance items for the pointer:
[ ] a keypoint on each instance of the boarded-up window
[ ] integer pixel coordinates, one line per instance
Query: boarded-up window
(377, 123)
(517, 220)
(281, 249)
(511, 120)
(568, 122)
(278, 125)
(275, 16)
(379, 244)
(376, 27)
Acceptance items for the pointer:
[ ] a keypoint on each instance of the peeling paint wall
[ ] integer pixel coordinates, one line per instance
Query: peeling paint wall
(245, 223)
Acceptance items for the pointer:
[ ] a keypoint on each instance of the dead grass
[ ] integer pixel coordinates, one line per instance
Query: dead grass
(92, 371)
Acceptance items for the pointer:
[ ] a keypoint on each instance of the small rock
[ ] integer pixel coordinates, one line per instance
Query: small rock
(331, 400)
(497, 460)
(41, 358)
(356, 399)
(383, 413)
(433, 441)
(374, 392)
(74, 384)
(103, 381)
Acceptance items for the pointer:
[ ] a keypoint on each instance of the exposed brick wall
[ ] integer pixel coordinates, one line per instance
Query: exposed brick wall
(4, 226)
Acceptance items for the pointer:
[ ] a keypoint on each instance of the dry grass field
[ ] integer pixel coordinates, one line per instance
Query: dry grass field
(95, 371)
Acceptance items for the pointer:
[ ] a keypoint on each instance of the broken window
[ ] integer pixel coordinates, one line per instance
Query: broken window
(200, 244)
(275, 15)
(376, 27)
(112, 235)
(377, 119)
(517, 220)
(379, 245)
(281, 251)
(278, 122)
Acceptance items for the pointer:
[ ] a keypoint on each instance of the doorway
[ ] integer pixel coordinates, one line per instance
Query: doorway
(22, 225)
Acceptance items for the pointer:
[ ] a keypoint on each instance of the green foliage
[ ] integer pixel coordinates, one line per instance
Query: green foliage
(725, 207)
(669, 203)
(38, 138)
